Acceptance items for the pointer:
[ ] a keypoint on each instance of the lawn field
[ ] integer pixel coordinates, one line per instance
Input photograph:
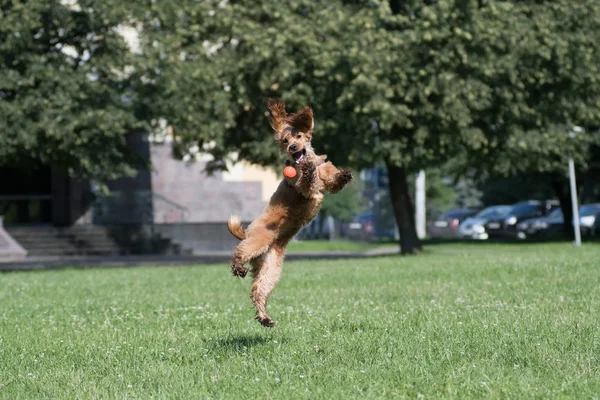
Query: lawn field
(307, 246)
(500, 321)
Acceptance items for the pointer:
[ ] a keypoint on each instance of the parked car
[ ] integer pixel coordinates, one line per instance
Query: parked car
(506, 226)
(446, 225)
(315, 230)
(366, 226)
(589, 215)
(474, 227)
(543, 227)
(595, 231)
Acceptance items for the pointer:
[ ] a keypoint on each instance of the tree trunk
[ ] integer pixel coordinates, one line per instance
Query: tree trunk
(322, 218)
(403, 209)
(564, 197)
(331, 227)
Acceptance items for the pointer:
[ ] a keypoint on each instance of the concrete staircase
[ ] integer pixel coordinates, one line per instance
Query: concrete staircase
(93, 240)
(48, 241)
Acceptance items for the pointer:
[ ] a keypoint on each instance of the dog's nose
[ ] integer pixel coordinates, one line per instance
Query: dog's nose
(294, 147)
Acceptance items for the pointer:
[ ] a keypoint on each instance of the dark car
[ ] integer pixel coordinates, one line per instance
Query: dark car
(595, 230)
(589, 216)
(506, 226)
(473, 227)
(446, 225)
(367, 226)
(543, 227)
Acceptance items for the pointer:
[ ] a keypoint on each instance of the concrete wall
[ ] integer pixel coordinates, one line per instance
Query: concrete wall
(199, 238)
(246, 172)
(185, 186)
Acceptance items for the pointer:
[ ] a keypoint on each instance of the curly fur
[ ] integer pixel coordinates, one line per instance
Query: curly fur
(293, 205)
(235, 227)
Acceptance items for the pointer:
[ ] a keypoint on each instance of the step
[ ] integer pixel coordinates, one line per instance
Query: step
(79, 240)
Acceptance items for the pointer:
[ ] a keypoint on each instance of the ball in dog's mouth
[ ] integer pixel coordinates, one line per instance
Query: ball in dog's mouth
(299, 156)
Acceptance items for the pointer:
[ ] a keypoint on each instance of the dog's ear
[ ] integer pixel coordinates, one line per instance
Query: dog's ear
(278, 116)
(303, 121)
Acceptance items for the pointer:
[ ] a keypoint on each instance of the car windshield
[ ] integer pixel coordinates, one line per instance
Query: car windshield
(557, 213)
(587, 211)
(524, 210)
(492, 212)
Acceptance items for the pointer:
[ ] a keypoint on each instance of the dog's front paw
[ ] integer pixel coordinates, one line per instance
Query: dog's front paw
(239, 270)
(307, 169)
(345, 176)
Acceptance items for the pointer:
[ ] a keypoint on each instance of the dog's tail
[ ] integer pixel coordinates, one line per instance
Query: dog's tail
(235, 227)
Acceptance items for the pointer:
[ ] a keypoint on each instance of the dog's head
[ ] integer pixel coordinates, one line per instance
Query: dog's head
(293, 132)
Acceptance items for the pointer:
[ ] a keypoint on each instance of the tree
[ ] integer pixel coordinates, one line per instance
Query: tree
(545, 77)
(497, 81)
(65, 96)
(409, 83)
(302, 51)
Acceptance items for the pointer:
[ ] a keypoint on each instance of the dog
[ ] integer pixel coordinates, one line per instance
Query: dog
(293, 205)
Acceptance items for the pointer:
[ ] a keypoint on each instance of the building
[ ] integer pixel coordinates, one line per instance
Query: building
(175, 206)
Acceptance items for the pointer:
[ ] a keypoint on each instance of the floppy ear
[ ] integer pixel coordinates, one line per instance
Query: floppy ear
(303, 121)
(278, 115)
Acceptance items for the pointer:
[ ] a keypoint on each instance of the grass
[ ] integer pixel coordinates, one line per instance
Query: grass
(303, 246)
(501, 322)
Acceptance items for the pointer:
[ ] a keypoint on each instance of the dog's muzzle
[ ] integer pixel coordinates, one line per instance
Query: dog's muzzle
(299, 156)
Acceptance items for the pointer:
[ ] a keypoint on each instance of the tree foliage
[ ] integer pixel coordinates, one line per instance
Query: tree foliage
(63, 87)
(411, 83)
(344, 205)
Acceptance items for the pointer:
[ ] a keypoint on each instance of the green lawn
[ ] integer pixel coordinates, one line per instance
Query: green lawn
(303, 246)
(455, 322)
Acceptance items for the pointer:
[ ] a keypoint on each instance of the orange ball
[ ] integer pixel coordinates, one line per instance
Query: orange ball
(289, 172)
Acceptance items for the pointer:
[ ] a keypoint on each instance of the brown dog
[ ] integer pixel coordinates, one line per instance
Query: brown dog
(294, 204)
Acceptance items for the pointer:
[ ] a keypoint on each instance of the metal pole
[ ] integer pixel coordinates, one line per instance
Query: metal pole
(574, 202)
(420, 214)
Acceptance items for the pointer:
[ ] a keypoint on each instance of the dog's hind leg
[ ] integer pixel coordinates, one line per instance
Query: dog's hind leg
(257, 242)
(266, 271)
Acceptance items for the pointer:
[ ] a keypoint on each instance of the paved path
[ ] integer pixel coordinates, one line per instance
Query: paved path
(33, 263)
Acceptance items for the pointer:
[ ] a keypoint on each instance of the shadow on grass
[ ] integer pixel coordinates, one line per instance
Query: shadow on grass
(239, 343)
(496, 241)
(506, 241)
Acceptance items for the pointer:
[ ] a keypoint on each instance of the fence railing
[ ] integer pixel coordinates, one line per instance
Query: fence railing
(141, 207)
(168, 211)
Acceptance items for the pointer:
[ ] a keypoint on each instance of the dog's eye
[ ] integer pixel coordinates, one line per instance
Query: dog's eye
(285, 141)
(298, 136)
